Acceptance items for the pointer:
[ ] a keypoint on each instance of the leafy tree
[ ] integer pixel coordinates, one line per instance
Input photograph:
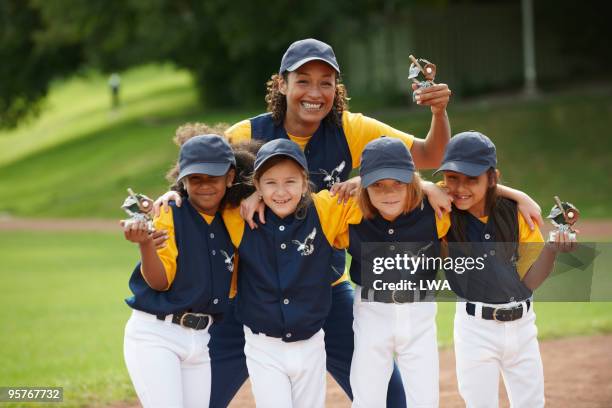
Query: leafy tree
(27, 68)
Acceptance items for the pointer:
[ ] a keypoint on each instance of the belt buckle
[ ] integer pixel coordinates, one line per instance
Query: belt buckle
(199, 315)
(511, 310)
(400, 301)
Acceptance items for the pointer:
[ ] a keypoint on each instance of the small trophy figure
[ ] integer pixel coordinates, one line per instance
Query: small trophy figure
(422, 73)
(138, 207)
(563, 216)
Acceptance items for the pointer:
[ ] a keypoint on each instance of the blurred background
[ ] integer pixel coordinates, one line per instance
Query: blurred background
(533, 75)
(91, 93)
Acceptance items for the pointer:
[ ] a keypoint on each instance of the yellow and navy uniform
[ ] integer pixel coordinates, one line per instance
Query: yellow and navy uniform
(284, 280)
(418, 231)
(332, 151)
(505, 264)
(198, 260)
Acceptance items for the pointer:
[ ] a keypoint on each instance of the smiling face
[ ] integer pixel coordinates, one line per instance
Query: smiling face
(389, 197)
(310, 92)
(468, 193)
(281, 186)
(206, 192)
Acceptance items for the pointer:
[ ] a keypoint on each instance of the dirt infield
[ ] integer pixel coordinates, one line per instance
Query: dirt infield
(578, 373)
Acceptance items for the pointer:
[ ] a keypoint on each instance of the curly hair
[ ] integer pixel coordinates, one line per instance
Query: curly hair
(277, 102)
(244, 152)
(189, 130)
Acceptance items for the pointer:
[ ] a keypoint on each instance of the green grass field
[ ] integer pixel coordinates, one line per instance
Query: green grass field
(62, 308)
(63, 314)
(77, 159)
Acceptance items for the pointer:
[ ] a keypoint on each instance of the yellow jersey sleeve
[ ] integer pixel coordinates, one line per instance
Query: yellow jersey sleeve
(239, 132)
(443, 225)
(234, 224)
(534, 243)
(335, 218)
(360, 130)
(167, 254)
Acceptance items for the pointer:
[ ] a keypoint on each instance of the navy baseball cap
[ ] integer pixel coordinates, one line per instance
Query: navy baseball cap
(470, 153)
(303, 51)
(386, 158)
(205, 154)
(280, 147)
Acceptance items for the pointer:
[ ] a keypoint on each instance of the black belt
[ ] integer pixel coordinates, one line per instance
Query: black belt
(394, 296)
(196, 321)
(499, 314)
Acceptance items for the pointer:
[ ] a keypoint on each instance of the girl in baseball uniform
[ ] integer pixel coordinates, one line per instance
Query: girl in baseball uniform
(180, 289)
(393, 324)
(495, 327)
(284, 280)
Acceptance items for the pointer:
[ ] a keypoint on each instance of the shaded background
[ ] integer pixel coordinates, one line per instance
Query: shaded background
(231, 48)
(67, 156)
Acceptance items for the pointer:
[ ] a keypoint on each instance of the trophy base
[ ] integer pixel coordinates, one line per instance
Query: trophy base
(422, 84)
(552, 236)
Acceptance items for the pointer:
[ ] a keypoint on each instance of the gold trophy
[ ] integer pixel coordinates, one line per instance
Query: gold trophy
(138, 207)
(563, 215)
(422, 73)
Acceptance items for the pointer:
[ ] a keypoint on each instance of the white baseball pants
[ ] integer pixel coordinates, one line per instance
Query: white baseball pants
(169, 364)
(286, 375)
(483, 348)
(406, 331)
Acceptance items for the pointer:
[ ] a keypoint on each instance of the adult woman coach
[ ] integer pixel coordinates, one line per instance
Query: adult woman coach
(307, 103)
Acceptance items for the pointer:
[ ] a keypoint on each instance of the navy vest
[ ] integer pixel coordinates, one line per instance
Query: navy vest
(204, 268)
(414, 233)
(284, 280)
(329, 160)
(499, 281)
(327, 151)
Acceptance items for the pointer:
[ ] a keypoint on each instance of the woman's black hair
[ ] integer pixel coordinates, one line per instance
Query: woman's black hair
(277, 102)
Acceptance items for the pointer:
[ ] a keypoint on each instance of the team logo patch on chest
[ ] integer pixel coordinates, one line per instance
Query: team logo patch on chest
(307, 247)
(333, 177)
(229, 261)
(421, 250)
